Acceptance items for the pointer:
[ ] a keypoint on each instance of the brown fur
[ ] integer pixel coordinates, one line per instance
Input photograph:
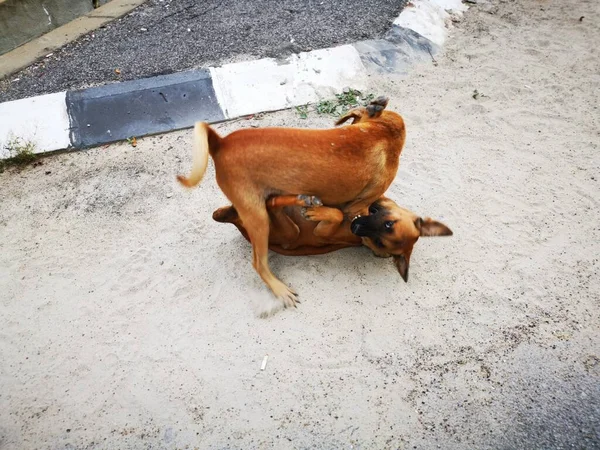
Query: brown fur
(392, 230)
(347, 167)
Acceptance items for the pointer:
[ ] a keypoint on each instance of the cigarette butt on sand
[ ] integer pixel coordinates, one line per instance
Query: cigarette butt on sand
(264, 363)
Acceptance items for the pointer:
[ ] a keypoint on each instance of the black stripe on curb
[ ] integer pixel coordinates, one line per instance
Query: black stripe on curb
(141, 107)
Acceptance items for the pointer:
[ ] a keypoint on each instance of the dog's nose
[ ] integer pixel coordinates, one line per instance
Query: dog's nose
(355, 228)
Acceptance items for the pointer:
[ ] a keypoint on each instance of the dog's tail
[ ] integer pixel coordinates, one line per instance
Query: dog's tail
(203, 135)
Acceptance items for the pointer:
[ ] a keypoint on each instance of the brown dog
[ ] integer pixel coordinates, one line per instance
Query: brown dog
(348, 167)
(298, 222)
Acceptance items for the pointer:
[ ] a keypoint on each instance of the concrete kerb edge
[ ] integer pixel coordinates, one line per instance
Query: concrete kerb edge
(87, 118)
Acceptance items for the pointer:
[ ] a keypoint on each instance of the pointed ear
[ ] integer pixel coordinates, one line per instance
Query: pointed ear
(376, 106)
(430, 227)
(354, 114)
(402, 265)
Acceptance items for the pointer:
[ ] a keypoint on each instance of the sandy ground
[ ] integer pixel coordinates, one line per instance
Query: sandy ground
(129, 316)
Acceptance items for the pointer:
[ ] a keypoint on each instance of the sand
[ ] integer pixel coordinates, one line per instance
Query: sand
(129, 317)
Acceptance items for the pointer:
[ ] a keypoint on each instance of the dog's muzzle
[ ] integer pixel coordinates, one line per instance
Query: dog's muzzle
(360, 226)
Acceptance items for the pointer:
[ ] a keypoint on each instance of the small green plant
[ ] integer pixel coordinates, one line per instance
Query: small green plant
(327, 107)
(20, 153)
(350, 98)
(302, 111)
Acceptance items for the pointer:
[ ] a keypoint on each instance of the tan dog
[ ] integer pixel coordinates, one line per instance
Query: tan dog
(348, 167)
(298, 224)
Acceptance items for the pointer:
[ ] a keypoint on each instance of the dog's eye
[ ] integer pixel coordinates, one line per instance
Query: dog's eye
(389, 225)
(373, 209)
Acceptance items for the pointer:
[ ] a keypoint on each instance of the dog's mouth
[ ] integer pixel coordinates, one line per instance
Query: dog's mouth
(354, 227)
(363, 226)
(360, 226)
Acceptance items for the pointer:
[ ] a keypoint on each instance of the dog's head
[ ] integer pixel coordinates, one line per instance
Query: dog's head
(390, 230)
(372, 111)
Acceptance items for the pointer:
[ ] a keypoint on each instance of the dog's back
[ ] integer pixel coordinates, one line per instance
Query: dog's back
(335, 164)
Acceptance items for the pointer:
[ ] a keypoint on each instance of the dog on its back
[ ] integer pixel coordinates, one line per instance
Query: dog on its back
(347, 168)
(301, 225)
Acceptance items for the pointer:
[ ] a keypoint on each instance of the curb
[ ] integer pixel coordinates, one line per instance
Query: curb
(100, 115)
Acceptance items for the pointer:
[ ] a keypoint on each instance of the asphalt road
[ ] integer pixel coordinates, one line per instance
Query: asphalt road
(166, 36)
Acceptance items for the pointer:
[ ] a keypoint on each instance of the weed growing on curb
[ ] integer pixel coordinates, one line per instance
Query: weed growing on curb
(20, 153)
(350, 98)
(302, 111)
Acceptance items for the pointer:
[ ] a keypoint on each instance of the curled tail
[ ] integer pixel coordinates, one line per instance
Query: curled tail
(204, 139)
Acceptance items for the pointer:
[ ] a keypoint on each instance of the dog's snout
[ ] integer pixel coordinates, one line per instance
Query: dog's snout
(361, 227)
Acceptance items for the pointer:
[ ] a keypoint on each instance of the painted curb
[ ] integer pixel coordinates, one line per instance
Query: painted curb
(100, 115)
(141, 107)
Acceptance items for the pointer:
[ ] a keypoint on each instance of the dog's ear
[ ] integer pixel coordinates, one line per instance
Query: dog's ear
(354, 114)
(430, 227)
(401, 262)
(376, 107)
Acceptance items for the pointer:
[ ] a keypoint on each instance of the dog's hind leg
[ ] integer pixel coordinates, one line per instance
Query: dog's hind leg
(226, 214)
(283, 230)
(281, 201)
(256, 222)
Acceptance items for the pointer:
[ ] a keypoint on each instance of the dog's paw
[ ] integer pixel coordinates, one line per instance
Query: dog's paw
(313, 214)
(309, 201)
(288, 297)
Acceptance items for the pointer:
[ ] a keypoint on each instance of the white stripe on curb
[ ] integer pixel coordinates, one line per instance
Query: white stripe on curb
(430, 18)
(269, 85)
(42, 121)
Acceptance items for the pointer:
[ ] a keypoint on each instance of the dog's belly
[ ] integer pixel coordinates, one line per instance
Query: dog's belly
(307, 238)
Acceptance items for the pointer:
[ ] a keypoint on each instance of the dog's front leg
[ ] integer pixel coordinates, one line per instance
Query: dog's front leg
(256, 223)
(284, 231)
(330, 220)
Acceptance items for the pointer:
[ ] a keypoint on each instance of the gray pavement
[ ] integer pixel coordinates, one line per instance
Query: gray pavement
(166, 36)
